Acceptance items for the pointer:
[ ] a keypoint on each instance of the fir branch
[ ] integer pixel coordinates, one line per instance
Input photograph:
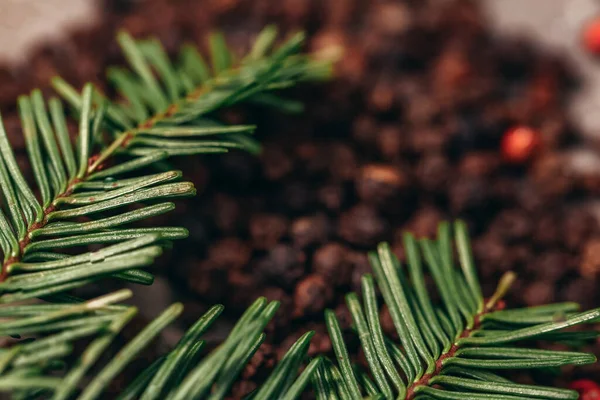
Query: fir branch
(162, 116)
(448, 351)
(168, 110)
(175, 116)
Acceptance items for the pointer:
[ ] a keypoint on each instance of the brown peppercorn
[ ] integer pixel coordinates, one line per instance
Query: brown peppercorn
(353, 66)
(390, 142)
(311, 296)
(428, 140)
(424, 223)
(343, 163)
(297, 196)
(490, 252)
(382, 97)
(320, 343)
(590, 259)
(581, 290)
(343, 315)
(578, 226)
(243, 284)
(519, 256)
(339, 13)
(555, 131)
(331, 262)
(547, 231)
(11, 87)
(312, 157)
(529, 200)
(479, 164)
(296, 11)
(283, 264)
(539, 293)
(276, 163)
(389, 19)
(208, 280)
(421, 111)
(451, 70)
(286, 307)
(332, 196)
(242, 388)
(467, 194)
(43, 63)
(550, 266)
(512, 225)
(227, 213)
(263, 359)
(433, 173)
(310, 230)
(377, 184)
(360, 266)
(361, 225)
(364, 129)
(267, 229)
(230, 253)
(551, 177)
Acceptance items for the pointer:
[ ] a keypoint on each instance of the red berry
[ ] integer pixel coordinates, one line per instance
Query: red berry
(593, 394)
(591, 36)
(589, 390)
(519, 143)
(500, 305)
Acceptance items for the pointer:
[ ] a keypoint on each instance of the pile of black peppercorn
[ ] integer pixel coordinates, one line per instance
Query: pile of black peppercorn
(408, 134)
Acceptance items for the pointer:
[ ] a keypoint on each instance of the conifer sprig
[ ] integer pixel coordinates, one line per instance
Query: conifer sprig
(36, 233)
(450, 350)
(168, 110)
(176, 114)
(81, 198)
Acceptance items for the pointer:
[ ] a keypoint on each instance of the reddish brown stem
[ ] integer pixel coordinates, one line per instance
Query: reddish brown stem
(36, 225)
(425, 379)
(127, 136)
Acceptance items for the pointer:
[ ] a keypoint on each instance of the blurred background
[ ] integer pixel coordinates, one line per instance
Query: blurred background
(440, 109)
(555, 24)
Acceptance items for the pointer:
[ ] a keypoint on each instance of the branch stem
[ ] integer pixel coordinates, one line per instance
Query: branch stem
(493, 304)
(122, 140)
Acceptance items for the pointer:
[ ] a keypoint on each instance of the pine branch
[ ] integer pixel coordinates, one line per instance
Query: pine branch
(180, 374)
(164, 116)
(447, 351)
(167, 110)
(178, 119)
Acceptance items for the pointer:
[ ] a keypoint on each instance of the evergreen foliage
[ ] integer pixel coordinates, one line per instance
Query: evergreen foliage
(452, 349)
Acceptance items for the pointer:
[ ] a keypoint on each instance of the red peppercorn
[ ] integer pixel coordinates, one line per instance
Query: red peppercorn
(591, 36)
(588, 390)
(519, 143)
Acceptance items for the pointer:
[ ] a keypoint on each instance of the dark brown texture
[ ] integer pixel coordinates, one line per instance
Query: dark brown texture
(407, 134)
